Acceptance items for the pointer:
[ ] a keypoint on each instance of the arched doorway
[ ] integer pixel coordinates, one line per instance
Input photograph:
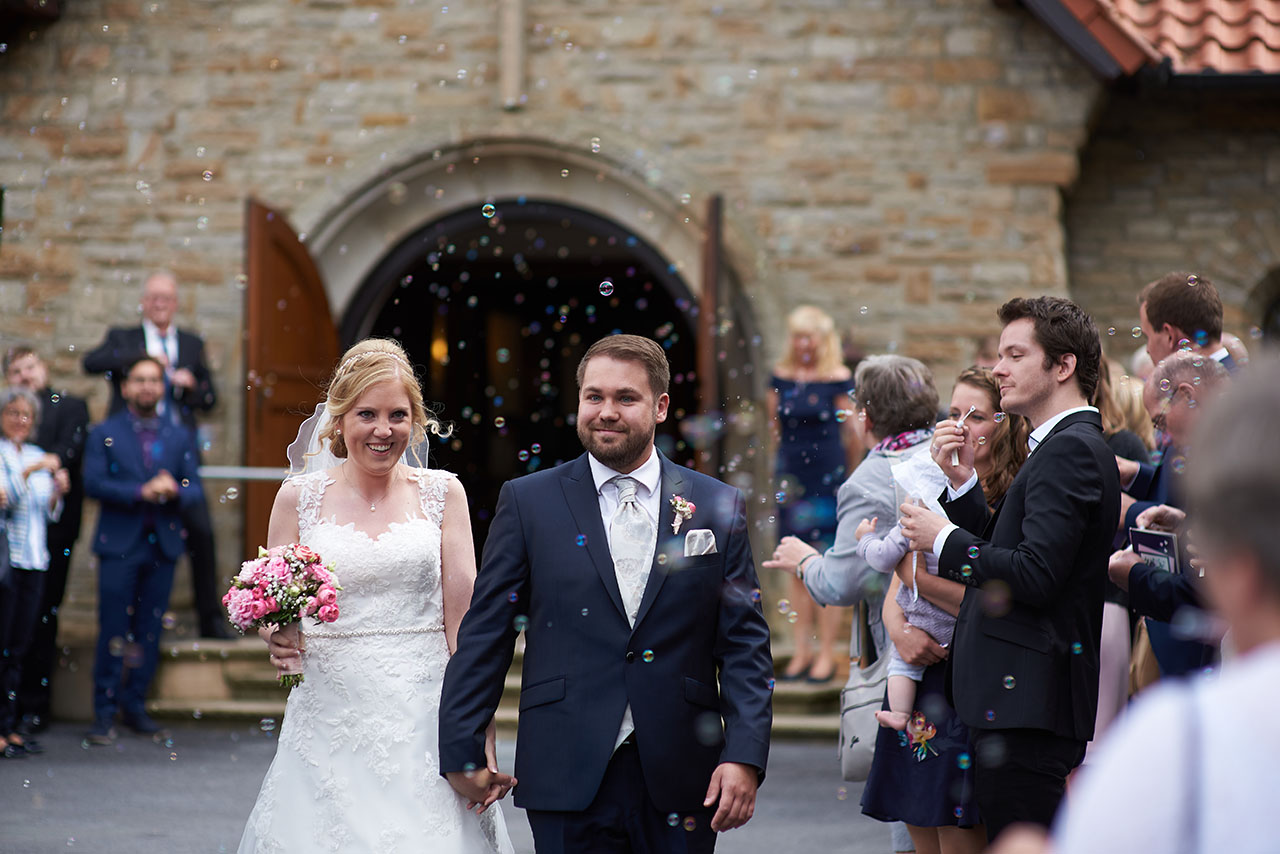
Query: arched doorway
(497, 304)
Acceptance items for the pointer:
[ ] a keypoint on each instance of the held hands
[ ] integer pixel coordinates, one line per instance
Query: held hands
(952, 437)
(183, 378)
(920, 525)
(788, 554)
(734, 786)
(484, 787)
(49, 462)
(1162, 517)
(160, 488)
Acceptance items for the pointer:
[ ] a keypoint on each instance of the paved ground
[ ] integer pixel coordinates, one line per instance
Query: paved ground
(194, 793)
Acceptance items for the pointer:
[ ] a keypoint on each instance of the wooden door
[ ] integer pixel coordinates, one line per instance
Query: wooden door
(710, 403)
(291, 345)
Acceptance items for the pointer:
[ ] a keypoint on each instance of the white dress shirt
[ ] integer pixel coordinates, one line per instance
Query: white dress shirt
(163, 346)
(1037, 436)
(648, 478)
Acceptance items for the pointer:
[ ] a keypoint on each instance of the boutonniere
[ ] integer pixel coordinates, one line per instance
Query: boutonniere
(683, 510)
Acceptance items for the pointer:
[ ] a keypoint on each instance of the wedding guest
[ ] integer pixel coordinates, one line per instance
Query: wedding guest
(1119, 402)
(1183, 310)
(894, 410)
(1024, 665)
(188, 390)
(927, 793)
(1125, 423)
(30, 496)
(1215, 790)
(809, 395)
(61, 431)
(141, 467)
(986, 351)
(1183, 388)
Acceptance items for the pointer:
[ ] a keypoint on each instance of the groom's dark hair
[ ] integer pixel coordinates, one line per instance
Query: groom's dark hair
(633, 348)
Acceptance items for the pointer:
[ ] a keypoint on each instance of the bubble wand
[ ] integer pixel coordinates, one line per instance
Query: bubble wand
(955, 455)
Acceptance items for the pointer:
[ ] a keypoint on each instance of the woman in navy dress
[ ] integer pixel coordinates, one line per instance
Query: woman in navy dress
(808, 403)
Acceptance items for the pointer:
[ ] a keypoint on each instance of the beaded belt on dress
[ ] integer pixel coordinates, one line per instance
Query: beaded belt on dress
(368, 633)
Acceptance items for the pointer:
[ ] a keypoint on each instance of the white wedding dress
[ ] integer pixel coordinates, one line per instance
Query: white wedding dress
(356, 768)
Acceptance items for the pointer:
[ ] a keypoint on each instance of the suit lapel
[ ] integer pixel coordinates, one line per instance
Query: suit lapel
(669, 545)
(584, 505)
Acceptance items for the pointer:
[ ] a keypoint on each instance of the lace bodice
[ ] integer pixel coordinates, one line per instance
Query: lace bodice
(391, 582)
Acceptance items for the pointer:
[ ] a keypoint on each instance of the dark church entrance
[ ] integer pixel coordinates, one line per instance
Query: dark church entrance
(497, 305)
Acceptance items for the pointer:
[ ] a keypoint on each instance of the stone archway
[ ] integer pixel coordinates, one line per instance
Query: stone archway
(352, 230)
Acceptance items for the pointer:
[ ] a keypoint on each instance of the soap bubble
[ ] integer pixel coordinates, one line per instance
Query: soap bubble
(581, 540)
(520, 623)
(1010, 683)
(964, 760)
(488, 211)
(973, 552)
(784, 606)
(1136, 332)
(998, 417)
(513, 596)
(1077, 648)
(647, 655)
(606, 289)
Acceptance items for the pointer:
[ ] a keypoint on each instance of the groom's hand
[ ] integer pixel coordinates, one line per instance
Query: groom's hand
(482, 788)
(734, 785)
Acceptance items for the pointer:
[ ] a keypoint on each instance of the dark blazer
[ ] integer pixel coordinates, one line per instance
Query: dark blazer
(64, 426)
(1026, 645)
(114, 472)
(123, 346)
(699, 653)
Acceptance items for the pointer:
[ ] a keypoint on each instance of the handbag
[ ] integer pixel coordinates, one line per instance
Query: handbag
(860, 699)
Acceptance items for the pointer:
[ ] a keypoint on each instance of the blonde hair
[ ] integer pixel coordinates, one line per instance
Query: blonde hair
(1119, 402)
(817, 324)
(365, 364)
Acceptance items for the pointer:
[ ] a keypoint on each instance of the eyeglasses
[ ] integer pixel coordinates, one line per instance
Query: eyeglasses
(15, 413)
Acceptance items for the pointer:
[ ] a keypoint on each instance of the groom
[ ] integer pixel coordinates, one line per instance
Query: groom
(645, 706)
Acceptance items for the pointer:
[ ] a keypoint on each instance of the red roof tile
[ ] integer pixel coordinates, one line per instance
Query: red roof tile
(1224, 36)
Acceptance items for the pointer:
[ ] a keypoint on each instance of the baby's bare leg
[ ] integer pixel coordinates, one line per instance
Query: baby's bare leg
(902, 698)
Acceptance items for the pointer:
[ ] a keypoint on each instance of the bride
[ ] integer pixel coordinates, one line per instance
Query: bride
(356, 767)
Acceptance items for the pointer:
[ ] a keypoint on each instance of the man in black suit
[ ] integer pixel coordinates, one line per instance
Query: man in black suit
(645, 702)
(64, 423)
(188, 390)
(1023, 672)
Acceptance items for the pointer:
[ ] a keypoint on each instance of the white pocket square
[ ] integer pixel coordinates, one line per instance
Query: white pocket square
(699, 542)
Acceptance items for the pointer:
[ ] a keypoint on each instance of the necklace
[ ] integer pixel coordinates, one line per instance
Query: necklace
(373, 504)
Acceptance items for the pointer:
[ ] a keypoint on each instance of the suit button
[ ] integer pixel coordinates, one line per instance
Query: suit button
(631, 656)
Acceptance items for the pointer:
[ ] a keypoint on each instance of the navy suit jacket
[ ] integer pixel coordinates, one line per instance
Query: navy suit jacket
(114, 472)
(696, 669)
(1026, 646)
(123, 346)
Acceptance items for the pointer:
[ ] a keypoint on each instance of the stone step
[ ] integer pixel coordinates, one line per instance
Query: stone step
(269, 713)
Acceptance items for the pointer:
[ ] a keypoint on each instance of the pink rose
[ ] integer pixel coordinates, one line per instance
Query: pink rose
(326, 595)
(319, 573)
(305, 554)
(272, 604)
(311, 606)
(258, 608)
(328, 613)
(248, 570)
(278, 567)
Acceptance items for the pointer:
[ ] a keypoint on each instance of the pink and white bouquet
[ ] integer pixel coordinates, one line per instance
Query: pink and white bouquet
(281, 586)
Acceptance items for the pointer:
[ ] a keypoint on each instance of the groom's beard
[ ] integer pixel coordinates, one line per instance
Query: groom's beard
(617, 455)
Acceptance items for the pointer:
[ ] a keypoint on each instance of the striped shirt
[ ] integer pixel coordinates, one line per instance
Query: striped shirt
(28, 511)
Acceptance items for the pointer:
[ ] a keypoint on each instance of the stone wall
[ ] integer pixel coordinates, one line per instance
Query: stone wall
(899, 164)
(1177, 182)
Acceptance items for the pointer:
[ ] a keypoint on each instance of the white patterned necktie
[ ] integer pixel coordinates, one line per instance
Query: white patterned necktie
(632, 539)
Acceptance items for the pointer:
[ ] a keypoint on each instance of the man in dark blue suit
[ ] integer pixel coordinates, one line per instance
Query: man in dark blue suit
(141, 467)
(645, 706)
(188, 390)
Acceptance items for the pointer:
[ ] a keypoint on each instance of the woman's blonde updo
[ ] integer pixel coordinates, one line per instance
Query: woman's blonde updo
(365, 364)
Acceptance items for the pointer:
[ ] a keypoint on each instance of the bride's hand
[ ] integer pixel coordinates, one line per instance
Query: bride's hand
(284, 643)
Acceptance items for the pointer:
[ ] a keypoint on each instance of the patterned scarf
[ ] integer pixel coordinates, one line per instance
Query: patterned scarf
(902, 441)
